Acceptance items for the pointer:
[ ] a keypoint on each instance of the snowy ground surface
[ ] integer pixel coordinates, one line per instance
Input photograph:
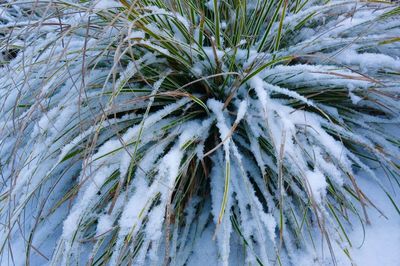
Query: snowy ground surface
(379, 246)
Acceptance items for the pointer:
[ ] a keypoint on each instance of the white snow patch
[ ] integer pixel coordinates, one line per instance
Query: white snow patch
(241, 111)
(316, 181)
(106, 4)
(136, 35)
(104, 224)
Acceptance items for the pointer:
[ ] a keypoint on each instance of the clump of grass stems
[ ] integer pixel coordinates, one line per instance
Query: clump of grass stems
(129, 129)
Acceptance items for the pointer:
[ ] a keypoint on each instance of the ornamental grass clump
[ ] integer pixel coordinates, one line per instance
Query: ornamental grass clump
(133, 130)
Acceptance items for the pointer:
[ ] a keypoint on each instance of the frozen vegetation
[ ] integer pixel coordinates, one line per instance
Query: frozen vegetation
(192, 132)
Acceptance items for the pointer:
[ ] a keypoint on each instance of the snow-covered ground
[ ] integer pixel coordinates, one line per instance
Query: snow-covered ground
(377, 244)
(380, 245)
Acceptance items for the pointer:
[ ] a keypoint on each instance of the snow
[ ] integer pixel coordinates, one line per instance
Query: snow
(106, 4)
(213, 52)
(205, 249)
(241, 111)
(328, 168)
(223, 229)
(287, 92)
(317, 183)
(368, 61)
(216, 107)
(153, 46)
(270, 224)
(158, 11)
(136, 35)
(104, 224)
(73, 220)
(381, 242)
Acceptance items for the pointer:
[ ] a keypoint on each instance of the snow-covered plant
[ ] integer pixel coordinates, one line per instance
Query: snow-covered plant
(133, 130)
